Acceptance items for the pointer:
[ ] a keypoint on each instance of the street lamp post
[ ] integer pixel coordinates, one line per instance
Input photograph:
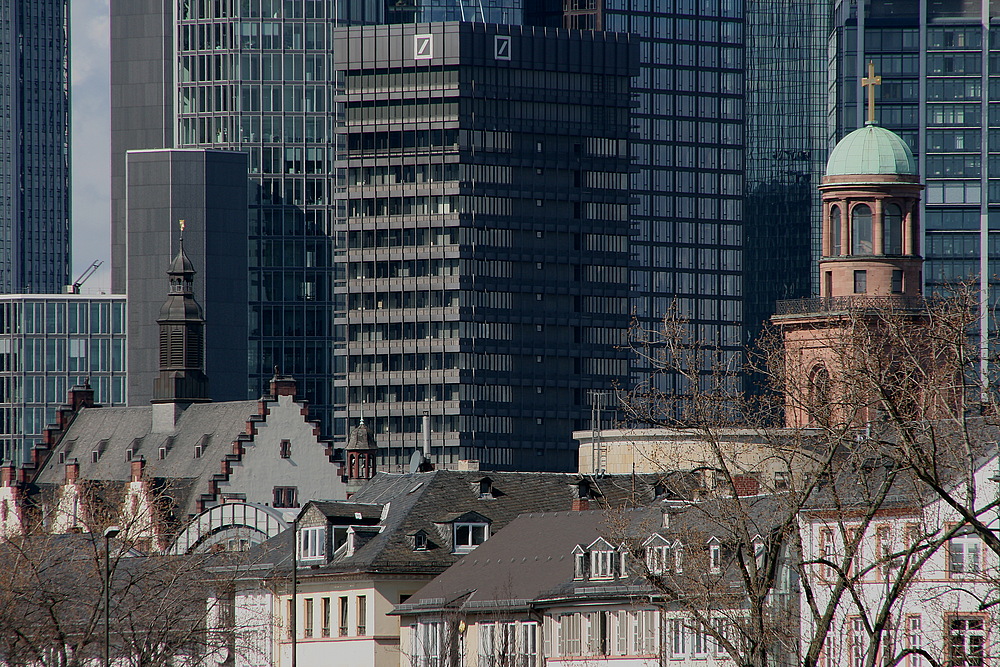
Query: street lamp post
(109, 532)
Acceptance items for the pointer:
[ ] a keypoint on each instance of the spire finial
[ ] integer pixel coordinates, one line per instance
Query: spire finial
(870, 82)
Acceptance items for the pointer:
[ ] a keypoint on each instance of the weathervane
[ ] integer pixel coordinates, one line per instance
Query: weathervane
(870, 82)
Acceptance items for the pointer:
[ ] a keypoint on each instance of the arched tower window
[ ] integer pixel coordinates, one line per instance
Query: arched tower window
(819, 395)
(835, 247)
(861, 230)
(892, 230)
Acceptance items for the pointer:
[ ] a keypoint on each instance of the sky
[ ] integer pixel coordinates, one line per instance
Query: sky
(90, 98)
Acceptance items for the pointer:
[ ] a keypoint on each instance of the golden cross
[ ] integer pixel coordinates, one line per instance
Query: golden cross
(181, 221)
(870, 82)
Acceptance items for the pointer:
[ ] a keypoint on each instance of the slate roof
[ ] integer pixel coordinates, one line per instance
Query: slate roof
(113, 431)
(531, 555)
(530, 562)
(427, 501)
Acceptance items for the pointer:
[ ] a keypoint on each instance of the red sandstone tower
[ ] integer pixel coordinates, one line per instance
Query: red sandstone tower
(870, 261)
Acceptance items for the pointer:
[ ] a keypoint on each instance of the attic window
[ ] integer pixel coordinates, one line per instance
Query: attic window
(129, 453)
(602, 564)
(312, 543)
(715, 558)
(198, 449)
(95, 455)
(62, 457)
(468, 536)
(486, 488)
(580, 561)
(420, 541)
(163, 453)
(286, 449)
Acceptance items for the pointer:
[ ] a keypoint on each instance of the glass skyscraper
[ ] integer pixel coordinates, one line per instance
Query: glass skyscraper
(940, 91)
(34, 146)
(48, 343)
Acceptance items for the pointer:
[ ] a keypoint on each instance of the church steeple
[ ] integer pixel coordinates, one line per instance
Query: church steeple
(182, 376)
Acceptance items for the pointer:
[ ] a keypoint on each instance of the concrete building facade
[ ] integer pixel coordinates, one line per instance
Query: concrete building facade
(207, 189)
(484, 203)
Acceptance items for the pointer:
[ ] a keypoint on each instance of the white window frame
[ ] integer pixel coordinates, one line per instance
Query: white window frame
(312, 543)
(965, 553)
(914, 640)
(472, 527)
(715, 558)
(678, 639)
(602, 564)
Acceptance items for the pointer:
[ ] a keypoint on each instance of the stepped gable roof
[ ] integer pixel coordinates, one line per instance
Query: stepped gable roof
(114, 431)
(871, 150)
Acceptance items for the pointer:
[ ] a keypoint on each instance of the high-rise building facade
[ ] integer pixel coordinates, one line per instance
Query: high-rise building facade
(939, 64)
(785, 151)
(687, 243)
(48, 343)
(34, 146)
(483, 194)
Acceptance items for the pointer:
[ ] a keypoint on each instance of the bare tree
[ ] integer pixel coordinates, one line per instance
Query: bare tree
(896, 411)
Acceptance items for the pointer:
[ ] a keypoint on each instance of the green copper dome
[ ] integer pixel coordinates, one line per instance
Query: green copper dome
(871, 150)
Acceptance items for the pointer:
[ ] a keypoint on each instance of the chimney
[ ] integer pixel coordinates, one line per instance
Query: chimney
(282, 385)
(8, 474)
(138, 466)
(81, 396)
(581, 504)
(72, 471)
(745, 485)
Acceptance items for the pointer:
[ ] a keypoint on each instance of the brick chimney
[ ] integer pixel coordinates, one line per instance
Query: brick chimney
(581, 504)
(138, 467)
(72, 471)
(8, 474)
(81, 396)
(282, 385)
(745, 485)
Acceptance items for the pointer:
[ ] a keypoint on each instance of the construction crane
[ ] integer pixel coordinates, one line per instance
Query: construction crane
(75, 287)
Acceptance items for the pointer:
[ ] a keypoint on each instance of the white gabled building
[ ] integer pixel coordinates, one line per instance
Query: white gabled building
(920, 558)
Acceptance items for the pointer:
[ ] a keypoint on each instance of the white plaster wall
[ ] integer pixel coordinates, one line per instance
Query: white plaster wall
(262, 468)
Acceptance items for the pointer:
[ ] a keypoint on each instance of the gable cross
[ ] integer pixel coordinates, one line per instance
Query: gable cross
(870, 82)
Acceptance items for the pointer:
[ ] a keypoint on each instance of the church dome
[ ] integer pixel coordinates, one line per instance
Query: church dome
(871, 150)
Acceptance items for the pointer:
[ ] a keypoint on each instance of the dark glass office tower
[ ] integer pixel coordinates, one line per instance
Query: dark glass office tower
(687, 216)
(940, 91)
(34, 146)
(483, 194)
(785, 153)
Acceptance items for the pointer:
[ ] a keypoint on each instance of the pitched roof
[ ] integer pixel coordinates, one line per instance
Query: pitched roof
(114, 431)
(430, 501)
(529, 556)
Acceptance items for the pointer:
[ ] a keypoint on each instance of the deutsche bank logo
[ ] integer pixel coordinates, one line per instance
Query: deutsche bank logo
(423, 47)
(501, 47)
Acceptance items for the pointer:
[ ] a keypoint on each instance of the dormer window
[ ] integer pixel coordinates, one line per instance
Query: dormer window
(420, 541)
(659, 555)
(486, 488)
(312, 543)
(602, 564)
(580, 561)
(604, 559)
(714, 556)
(468, 536)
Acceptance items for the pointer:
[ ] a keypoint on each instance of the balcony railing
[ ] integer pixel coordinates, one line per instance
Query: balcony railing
(841, 303)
